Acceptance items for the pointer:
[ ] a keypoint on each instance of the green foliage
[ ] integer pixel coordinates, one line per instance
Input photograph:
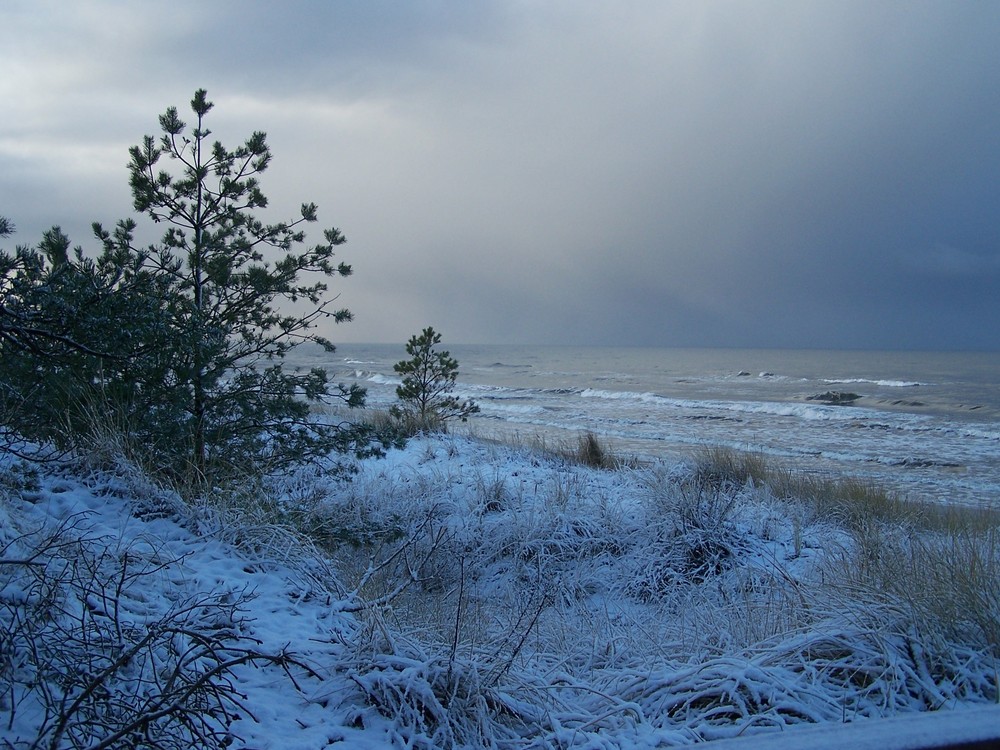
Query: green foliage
(428, 380)
(183, 340)
(76, 333)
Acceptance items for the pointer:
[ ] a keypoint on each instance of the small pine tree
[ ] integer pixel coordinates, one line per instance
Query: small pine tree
(241, 407)
(428, 380)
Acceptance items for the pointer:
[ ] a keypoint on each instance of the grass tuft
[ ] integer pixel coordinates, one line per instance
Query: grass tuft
(588, 450)
(718, 467)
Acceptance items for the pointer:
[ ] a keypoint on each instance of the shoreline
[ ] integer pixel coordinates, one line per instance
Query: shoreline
(659, 404)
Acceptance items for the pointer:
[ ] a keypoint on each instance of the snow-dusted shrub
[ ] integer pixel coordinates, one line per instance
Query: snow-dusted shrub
(827, 675)
(436, 701)
(528, 602)
(89, 660)
(18, 476)
(689, 537)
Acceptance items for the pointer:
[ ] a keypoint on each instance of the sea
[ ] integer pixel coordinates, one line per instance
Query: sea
(926, 424)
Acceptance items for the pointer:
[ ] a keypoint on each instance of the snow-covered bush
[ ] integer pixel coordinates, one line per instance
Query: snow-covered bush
(690, 536)
(90, 659)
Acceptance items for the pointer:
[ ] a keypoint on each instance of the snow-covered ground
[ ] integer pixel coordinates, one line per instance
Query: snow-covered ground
(455, 593)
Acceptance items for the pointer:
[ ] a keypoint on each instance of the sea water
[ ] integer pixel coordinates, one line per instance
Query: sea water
(925, 423)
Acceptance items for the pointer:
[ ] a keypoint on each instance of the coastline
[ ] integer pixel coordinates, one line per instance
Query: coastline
(926, 422)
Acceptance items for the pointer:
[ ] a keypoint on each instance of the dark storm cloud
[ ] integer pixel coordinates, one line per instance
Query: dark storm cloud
(726, 173)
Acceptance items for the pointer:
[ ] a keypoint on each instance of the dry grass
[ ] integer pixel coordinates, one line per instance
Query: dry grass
(718, 467)
(946, 584)
(588, 450)
(394, 422)
(939, 566)
(850, 501)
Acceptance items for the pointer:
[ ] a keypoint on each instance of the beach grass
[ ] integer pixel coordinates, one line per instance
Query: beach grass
(851, 500)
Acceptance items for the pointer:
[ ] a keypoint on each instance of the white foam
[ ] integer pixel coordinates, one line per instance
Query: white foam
(384, 379)
(490, 407)
(881, 383)
(781, 409)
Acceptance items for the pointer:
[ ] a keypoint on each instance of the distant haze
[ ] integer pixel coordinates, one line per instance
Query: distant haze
(760, 174)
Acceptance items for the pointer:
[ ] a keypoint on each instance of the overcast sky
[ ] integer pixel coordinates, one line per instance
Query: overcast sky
(786, 174)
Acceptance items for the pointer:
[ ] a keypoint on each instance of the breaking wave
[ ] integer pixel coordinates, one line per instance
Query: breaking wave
(880, 383)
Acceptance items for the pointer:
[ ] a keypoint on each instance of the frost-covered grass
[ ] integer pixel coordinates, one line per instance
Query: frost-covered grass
(467, 593)
(670, 602)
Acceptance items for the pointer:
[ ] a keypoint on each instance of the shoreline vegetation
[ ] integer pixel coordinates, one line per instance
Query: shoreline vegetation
(844, 497)
(467, 591)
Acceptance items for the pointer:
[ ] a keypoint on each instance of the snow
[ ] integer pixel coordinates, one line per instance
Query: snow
(933, 730)
(465, 593)
(188, 565)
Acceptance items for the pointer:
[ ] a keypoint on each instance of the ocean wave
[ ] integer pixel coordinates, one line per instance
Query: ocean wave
(499, 366)
(912, 462)
(880, 383)
(501, 391)
(356, 374)
(381, 379)
(775, 408)
(494, 407)
(494, 391)
(645, 397)
(923, 426)
(981, 432)
(985, 432)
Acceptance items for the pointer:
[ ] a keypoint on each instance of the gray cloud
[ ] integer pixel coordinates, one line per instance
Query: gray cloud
(947, 261)
(732, 173)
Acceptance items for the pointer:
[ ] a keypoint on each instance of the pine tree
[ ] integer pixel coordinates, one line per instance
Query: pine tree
(182, 341)
(428, 379)
(230, 274)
